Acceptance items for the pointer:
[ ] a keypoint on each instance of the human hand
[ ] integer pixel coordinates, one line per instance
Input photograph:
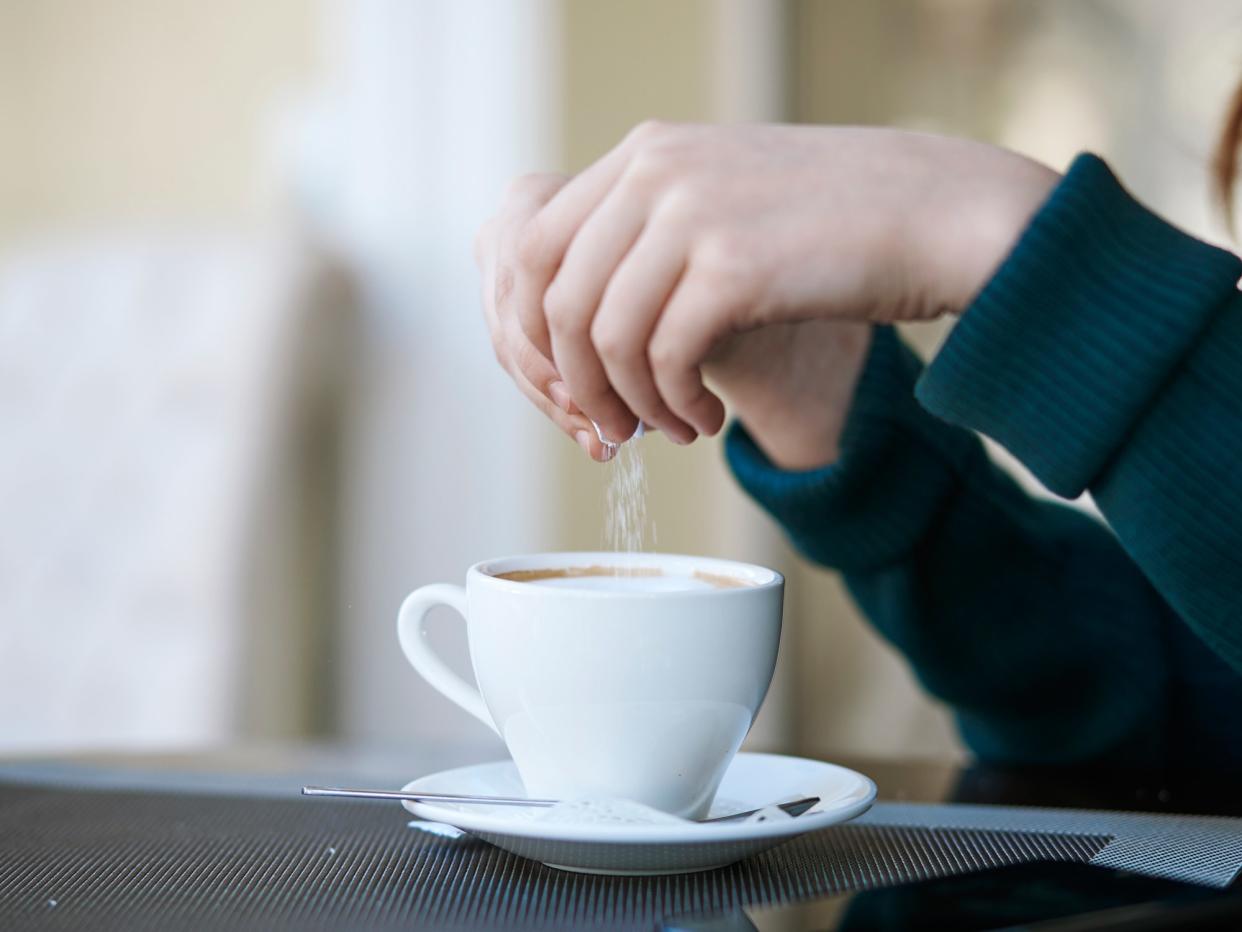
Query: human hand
(494, 252)
(792, 386)
(631, 274)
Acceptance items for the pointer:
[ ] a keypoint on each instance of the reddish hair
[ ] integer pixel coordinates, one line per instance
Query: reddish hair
(1225, 158)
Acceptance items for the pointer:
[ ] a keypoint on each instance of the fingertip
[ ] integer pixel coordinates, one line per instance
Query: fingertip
(617, 429)
(683, 435)
(710, 416)
(584, 440)
(718, 418)
(679, 433)
(587, 439)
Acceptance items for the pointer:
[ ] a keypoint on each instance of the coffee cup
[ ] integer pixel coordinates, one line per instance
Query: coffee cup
(630, 676)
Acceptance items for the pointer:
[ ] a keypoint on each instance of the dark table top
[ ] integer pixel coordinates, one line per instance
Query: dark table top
(273, 767)
(238, 800)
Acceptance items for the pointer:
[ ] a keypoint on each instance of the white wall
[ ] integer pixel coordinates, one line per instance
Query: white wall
(430, 108)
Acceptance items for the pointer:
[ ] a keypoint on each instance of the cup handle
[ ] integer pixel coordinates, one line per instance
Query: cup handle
(418, 652)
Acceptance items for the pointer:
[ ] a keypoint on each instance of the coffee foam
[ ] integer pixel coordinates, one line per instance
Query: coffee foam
(623, 579)
(578, 572)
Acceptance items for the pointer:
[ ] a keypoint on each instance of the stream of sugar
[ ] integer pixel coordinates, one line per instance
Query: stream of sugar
(627, 527)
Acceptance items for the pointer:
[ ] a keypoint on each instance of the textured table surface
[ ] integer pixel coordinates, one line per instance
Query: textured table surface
(98, 859)
(222, 841)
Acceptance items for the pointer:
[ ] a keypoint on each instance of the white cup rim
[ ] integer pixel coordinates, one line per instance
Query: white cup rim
(756, 577)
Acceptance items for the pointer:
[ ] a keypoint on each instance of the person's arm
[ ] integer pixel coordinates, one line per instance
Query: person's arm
(1106, 354)
(1025, 616)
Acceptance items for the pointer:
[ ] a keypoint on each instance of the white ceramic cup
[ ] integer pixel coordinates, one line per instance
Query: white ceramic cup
(642, 695)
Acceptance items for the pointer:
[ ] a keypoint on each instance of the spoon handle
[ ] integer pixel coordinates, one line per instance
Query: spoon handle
(425, 797)
(795, 808)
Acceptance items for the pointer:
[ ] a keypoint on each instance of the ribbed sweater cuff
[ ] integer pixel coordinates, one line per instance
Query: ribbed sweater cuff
(897, 464)
(1079, 329)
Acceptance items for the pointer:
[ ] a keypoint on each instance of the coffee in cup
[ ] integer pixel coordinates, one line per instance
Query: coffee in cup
(623, 578)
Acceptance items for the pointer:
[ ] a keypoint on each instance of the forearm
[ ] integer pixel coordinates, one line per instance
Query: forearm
(1105, 354)
(1028, 620)
(1172, 492)
(1025, 617)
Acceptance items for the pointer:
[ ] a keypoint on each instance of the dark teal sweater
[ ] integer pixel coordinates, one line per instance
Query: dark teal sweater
(1106, 354)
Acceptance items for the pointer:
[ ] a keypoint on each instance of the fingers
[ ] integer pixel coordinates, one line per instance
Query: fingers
(627, 316)
(495, 247)
(694, 320)
(527, 197)
(575, 426)
(528, 193)
(530, 370)
(588, 385)
(574, 295)
(546, 236)
(584, 305)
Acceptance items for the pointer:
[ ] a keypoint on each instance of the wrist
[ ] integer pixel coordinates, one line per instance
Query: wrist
(797, 446)
(1003, 219)
(978, 221)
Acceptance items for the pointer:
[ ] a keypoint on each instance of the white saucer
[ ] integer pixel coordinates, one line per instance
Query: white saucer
(752, 781)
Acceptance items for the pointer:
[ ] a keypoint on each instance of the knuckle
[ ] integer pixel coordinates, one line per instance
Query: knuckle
(559, 308)
(658, 155)
(533, 186)
(503, 287)
(729, 268)
(612, 342)
(651, 166)
(517, 184)
(678, 206)
(532, 246)
(664, 355)
(649, 130)
(723, 252)
(524, 356)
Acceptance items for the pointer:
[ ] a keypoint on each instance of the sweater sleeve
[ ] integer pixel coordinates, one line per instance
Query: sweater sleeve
(1106, 354)
(1025, 616)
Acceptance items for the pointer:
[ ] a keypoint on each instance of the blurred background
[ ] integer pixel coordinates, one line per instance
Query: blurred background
(246, 397)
